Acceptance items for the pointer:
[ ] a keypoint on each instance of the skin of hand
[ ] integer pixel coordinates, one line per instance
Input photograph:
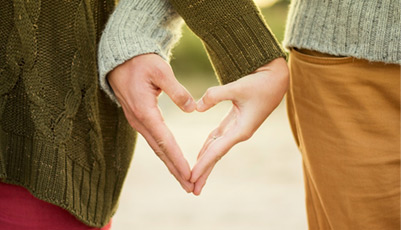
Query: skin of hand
(253, 97)
(137, 83)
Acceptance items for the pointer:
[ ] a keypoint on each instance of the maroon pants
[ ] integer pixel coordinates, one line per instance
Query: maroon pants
(19, 210)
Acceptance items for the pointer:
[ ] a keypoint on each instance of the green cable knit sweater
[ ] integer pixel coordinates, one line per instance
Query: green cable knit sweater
(61, 137)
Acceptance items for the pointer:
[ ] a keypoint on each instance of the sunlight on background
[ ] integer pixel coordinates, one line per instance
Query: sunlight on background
(265, 3)
(258, 185)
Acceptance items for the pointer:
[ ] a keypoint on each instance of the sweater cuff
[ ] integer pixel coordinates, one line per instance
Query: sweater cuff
(237, 39)
(133, 30)
(241, 46)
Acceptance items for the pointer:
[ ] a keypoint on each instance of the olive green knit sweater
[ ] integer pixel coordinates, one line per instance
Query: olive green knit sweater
(234, 33)
(61, 137)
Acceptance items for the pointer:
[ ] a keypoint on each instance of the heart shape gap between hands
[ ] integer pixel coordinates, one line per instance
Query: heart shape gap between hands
(138, 83)
(191, 129)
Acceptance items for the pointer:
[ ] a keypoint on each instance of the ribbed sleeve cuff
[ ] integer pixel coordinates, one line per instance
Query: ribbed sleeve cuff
(240, 46)
(234, 33)
(133, 29)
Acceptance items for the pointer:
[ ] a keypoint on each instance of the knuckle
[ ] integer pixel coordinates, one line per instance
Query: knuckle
(162, 145)
(237, 89)
(159, 153)
(210, 95)
(140, 115)
(157, 71)
(160, 69)
(245, 136)
(180, 97)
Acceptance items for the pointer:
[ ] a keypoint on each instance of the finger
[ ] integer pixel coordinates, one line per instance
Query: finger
(153, 144)
(166, 80)
(215, 151)
(150, 121)
(188, 186)
(214, 95)
(200, 183)
(212, 136)
(166, 142)
(224, 125)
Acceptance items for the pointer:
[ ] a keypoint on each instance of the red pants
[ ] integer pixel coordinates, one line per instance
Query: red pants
(19, 210)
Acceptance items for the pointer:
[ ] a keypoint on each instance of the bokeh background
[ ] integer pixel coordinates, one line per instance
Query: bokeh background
(258, 185)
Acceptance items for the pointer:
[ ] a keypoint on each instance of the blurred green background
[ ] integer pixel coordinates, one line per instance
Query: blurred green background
(257, 186)
(190, 62)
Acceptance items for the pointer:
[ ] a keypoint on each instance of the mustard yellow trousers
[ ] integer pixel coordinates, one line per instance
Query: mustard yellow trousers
(345, 116)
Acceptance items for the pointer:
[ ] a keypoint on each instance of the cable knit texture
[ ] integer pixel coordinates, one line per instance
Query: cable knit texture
(61, 137)
(368, 29)
(137, 27)
(234, 33)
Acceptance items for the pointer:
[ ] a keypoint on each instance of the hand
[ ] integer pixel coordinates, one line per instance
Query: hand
(137, 84)
(254, 97)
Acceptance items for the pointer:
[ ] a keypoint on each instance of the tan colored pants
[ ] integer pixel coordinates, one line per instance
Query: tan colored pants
(345, 116)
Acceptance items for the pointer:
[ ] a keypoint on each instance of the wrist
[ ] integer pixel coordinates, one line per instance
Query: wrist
(133, 29)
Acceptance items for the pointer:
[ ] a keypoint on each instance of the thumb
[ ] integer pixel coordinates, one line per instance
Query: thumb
(215, 95)
(166, 81)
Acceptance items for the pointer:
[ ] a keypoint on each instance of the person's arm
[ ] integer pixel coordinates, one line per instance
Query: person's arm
(254, 97)
(238, 42)
(133, 70)
(137, 27)
(237, 39)
(249, 62)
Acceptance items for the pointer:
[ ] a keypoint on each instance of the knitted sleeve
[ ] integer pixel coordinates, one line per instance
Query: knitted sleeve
(236, 37)
(136, 27)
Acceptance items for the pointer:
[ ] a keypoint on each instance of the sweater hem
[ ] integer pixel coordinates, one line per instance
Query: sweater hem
(52, 176)
(361, 29)
(346, 53)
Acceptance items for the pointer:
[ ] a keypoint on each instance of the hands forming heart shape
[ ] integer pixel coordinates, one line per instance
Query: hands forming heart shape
(138, 82)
